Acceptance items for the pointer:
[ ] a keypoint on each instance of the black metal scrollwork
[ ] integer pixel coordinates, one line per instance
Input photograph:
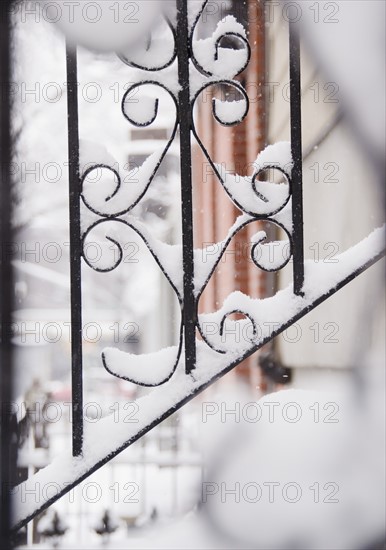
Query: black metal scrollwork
(184, 66)
(192, 67)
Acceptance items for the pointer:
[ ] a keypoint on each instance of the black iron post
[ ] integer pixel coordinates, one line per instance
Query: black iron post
(296, 150)
(6, 275)
(185, 122)
(75, 251)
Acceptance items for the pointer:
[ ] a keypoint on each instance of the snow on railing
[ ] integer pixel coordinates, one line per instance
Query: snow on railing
(109, 436)
(185, 67)
(184, 71)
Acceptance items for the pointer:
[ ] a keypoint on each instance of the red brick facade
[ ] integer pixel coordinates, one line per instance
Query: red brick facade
(237, 147)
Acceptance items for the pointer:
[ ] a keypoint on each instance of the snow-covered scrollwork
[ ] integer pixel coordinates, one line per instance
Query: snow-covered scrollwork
(176, 60)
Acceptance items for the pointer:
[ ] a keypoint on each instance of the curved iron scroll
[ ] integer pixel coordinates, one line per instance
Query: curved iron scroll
(184, 72)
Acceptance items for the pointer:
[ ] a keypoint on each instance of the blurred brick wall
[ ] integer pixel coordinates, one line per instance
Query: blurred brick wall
(237, 147)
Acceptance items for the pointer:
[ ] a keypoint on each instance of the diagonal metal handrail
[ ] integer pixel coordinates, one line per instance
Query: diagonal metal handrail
(76, 470)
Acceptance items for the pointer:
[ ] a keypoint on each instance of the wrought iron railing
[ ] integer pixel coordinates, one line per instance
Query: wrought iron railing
(199, 362)
(185, 99)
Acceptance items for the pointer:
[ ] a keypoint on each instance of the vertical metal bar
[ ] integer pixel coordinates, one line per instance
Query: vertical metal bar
(75, 251)
(296, 149)
(6, 276)
(189, 306)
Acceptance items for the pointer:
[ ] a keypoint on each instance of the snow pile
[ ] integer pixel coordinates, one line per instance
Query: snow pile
(270, 256)
(148, 369)
(216, 60)
(260, 197)
(153, 52)
(267, 315)
(102, 26)
(110, 191)
(230, 112)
